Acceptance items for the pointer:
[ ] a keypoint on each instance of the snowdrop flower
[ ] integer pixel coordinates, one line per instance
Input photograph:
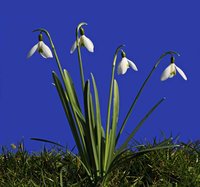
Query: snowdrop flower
(170, 71)
(83, 41)
(42, 48)
(125, 64)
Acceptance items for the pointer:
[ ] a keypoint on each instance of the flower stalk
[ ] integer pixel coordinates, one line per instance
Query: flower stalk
(81, 41)
(79, 55)
(109, 105)
(53, 48)
(141, 89)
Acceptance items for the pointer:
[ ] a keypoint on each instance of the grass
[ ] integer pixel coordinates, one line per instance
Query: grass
(178, 166)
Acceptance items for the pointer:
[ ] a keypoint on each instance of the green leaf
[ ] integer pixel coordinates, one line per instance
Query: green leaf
(77, 114)
(47, 141)
(70, 118)
(141, 89)
(70, 88)
(98, 120)
(115, 110)
(109, 106)
(124, 145)
(73, 99)
(89, 122)
(66, 107)
(120, 160)
(112, 140)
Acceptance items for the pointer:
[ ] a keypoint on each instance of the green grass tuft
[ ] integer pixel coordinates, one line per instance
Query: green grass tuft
(177, 166)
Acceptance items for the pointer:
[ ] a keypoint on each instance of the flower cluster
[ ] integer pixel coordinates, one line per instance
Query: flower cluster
(124, 64)
(97, 148)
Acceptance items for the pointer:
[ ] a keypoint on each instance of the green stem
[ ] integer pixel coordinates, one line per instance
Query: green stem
(79, 55)
(54, 50)
(141, 89)
(109, 104)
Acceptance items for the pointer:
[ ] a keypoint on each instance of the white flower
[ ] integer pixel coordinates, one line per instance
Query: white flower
(83, 41)
(124, 65)
(170, 71)
(42, 48)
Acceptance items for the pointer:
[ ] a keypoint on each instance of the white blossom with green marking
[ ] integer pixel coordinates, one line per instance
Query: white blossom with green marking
(42, 48)
(124, 64)
(170, 71)
(83, 41)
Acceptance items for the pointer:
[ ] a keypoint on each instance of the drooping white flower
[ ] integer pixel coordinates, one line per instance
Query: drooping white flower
(170, 71)
(83, 41)
(125, 64)
(42, 48)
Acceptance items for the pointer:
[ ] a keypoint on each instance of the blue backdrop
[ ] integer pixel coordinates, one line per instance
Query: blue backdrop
(29, 104)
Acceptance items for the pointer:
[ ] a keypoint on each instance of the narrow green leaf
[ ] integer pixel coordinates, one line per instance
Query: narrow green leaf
(70, 118)
(109, 106)
(112, 140)
(141, 89)
(98, 120)
(124, 145)
(73, 99)
(115, 110)
(66, 107)
(89, 121)
(77, 114)
(87, 169)
(87, 128)
(70, 88)
(120, 160)
(47, 141)
(93, 122)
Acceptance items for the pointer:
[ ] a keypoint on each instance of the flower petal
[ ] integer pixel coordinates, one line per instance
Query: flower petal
(166, 73)
(172, 70)
(73, 47)
(43, 55)
(132, 65)
(32, 51)
(46, 52)
(181, 72)
(87, 43)
(123, 66)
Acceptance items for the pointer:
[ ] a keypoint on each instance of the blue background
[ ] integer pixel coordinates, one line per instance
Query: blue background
(29, 104)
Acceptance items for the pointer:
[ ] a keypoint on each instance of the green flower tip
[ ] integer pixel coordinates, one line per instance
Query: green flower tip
(40, 37)
(172, 59)
(123, 54)
(82, 32)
